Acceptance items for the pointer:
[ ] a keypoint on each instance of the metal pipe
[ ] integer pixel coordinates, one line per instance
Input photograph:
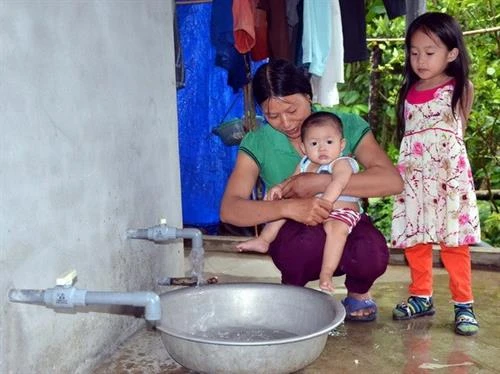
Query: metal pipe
(162, 233)
(69, 297)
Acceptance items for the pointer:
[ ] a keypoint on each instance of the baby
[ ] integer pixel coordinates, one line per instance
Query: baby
(322, 144)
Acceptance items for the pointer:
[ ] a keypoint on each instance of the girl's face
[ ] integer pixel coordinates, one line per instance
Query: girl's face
(287, 113)
(429, 57)
(322, 144)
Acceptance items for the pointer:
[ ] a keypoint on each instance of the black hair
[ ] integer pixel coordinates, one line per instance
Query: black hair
(320, 118)
(279, 78)
(447, 29)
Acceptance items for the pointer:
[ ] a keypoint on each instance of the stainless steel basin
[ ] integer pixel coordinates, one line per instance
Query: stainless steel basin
(247, 327)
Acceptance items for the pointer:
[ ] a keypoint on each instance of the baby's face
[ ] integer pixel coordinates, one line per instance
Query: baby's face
(323, 144)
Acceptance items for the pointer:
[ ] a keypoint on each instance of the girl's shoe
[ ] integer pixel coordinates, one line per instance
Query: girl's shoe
(413, 308)
(465, 320)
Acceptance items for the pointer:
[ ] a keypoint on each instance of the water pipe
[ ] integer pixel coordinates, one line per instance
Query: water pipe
(64, 295)
(162, 233)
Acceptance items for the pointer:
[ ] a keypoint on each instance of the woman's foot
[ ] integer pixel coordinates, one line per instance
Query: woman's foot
(360, 307)
(414, 307)
(253, 245)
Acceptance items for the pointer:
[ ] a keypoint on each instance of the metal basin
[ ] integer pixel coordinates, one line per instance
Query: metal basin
(247, 327)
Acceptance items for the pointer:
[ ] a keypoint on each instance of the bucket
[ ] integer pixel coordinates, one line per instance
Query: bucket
(231, 132)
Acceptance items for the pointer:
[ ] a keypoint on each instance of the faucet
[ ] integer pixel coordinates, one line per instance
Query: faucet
(162, 233)
(64, 296)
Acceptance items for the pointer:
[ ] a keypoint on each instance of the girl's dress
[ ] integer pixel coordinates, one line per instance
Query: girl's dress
(438, 203)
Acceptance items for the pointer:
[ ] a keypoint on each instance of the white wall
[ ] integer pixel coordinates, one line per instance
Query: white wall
(88, 148)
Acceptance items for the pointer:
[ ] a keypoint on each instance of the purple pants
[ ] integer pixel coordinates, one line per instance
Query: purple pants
(297, 252)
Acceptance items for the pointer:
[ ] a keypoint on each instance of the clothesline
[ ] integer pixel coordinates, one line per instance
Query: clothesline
(466, 33)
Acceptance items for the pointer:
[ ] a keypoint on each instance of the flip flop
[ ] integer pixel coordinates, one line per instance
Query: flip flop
(352, 305)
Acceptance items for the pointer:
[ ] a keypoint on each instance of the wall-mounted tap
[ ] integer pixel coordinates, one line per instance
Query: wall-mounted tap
(64, 295)
(162, 233)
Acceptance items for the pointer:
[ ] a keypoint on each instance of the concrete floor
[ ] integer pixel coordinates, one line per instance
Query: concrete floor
(425, 345)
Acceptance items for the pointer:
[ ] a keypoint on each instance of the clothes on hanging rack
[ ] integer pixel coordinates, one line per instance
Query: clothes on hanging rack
(250, 29)
(321, 35)
(324, 86)
(222, 36)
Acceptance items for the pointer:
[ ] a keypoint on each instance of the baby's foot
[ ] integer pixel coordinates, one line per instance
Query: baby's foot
(253, 245)
(325, 282)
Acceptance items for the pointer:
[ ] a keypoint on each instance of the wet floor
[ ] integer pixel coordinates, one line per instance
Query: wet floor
(424, 345)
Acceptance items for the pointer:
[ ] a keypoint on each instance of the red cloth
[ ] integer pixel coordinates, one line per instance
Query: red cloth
(278, 40)
(244, 25)
(261, 49)
(250, 29)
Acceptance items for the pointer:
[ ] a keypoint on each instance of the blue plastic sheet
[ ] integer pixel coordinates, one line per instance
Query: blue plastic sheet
(205, 161)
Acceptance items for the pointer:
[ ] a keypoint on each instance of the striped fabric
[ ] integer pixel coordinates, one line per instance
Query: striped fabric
(349, 216)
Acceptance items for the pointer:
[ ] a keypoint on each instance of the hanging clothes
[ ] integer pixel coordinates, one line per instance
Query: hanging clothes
(226, 55)
(297, 41)
(277, 32)
(395, 8)
(243, 25)
(354, 30)
(294, 18)
(260, 50)
(325, 90)
(316, 37)
(354, 26)
(250, 29)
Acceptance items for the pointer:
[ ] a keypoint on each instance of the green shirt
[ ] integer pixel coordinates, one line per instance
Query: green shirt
(275, 155)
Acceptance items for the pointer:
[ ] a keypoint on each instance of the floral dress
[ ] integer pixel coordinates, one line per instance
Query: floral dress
(438, 203)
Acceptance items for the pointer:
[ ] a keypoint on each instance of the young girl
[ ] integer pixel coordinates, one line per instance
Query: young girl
(438, 203)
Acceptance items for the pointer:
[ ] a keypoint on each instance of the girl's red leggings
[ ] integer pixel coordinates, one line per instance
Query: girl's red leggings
(457, 262)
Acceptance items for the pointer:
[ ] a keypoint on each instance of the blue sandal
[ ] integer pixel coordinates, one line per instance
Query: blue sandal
(413, 308)
(465, 320)
(352, 305)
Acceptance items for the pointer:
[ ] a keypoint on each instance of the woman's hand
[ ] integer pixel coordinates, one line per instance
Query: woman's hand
(239, 210)
(310, 211)
(305, 185)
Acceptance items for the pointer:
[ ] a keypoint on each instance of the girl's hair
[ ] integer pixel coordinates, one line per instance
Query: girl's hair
(447, 29)
(319, 119)
(279, 78)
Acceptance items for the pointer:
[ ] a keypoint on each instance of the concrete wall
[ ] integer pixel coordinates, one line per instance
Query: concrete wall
(88, 148)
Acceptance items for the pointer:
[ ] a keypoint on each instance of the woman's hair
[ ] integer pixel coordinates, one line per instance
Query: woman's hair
(447, 29)
(279, 78)
(320, 119)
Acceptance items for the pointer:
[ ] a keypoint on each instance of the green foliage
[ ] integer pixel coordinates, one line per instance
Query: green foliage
(380, 211)
(491, 229)
(490, 223)
(353, 94)
(378, 85)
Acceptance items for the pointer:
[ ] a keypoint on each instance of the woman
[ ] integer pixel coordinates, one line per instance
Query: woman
(284, 93)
